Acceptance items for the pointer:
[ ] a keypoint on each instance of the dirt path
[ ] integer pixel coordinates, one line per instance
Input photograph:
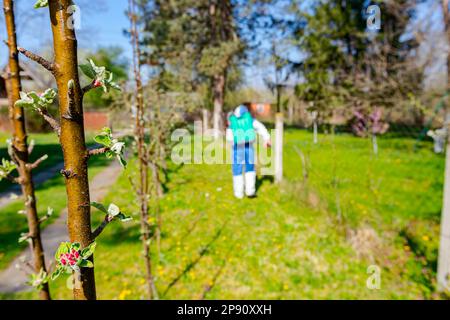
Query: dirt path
(11, 194)
(13, 280)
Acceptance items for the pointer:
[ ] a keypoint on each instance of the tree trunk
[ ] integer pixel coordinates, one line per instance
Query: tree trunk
(443, 271)
(315, 139)
(279, 128)
(205, 116)
(21, 146)
(72, 139)
(143, 187)
(218, 95)
(291, 114)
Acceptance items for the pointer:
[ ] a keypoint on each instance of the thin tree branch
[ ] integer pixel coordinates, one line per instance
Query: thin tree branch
(88, 88)
(51, 121)
(94, 152)
(40, 60)
(44, 218)
(13, 179)
(36, 164)
(102, 226)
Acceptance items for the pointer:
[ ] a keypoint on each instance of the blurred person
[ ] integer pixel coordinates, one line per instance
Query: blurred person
(241, 133)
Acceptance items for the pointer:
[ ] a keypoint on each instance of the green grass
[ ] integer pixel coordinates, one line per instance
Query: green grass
(51, 193)
(45, 143)
(310, 239)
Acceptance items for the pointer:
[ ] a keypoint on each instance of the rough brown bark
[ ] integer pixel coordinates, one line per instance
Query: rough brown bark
(20, 146)
(72, 139)
(143, 186)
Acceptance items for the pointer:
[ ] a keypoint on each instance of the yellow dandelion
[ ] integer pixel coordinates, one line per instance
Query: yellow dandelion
(124, 294)
(425, 238)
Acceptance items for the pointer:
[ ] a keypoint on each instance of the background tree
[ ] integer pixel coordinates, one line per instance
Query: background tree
(20, 153)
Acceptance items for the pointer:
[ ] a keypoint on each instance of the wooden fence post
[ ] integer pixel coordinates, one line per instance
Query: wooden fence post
(279, 131)
(444, 245)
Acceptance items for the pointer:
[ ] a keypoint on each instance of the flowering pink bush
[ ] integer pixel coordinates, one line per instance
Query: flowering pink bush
(365, 124)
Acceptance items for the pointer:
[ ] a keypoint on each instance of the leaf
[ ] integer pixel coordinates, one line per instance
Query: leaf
(88, 70)
(64, 247)
(113, 210)
(122, 161)
(23, 237)
(57, 273)
(88, 251)
(123, 217)
(41, 4)
(6, 168)
(75, 246)
(36, 101)
(99, 206)
(103, 140)
(86, 264)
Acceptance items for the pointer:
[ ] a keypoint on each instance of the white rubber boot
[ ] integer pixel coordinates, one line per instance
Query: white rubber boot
(238, 186)
(250, 181)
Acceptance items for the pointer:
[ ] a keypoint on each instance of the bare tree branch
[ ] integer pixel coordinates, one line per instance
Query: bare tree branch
(94, 152)
(36, 164)
(40, 60)
(51, 121)
(102, 226)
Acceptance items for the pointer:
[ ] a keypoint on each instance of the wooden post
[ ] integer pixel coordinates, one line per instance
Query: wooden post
(279, 130)
(444, 245)
(205, 115)
(443, 271)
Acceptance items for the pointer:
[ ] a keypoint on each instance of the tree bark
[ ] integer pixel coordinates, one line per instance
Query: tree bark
(143, 187)
(72, 139)
(443, 271)
(218, 95)
(20, 146)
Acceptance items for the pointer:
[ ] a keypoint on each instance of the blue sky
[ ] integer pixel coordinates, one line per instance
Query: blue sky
(103, 23)
(101, 26)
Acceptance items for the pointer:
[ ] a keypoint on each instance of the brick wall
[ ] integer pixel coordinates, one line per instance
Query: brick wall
(95, 120)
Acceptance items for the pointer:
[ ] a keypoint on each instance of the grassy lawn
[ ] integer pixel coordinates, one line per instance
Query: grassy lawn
(45, 143)
(308, 238)
(51, 193)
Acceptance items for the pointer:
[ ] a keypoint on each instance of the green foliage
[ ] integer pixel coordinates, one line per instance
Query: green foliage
(38, 280)
(70, 257)
(6, 168)
(113, 211)
(215, 59)
(100, 76)
(41, 4)
(35, 100)
(116, 148)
